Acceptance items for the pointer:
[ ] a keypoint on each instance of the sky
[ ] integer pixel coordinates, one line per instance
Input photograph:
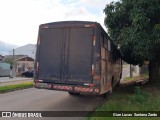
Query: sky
(20, 19)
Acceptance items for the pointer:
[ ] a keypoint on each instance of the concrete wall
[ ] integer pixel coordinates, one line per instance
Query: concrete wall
(144, 69)
(4, 73)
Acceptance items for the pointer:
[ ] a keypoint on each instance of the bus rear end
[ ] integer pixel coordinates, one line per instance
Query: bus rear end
(65, 57)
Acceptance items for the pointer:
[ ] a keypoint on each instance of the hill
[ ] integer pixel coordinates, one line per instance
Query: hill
(6, 47)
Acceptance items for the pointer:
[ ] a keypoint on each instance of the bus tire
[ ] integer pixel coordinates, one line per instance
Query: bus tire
(107, 94)
(118, 83)
(111, 87)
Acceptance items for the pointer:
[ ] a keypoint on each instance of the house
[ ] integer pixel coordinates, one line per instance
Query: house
(21, 63)
(4, 68)
(1, 58)
(28, 50)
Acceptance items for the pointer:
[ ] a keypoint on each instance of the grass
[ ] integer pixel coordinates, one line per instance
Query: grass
(131, 98)
(129, 78)
(8, 88)
(143, 76)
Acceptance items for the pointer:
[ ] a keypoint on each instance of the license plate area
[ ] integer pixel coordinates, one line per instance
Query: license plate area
(43, 85)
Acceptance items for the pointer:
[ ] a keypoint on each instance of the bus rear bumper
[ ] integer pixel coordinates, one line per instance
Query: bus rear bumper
(70, 88)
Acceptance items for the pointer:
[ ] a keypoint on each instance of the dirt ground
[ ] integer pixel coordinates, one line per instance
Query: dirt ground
(129, 86)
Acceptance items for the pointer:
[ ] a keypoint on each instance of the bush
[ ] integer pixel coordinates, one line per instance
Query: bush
(139, 96)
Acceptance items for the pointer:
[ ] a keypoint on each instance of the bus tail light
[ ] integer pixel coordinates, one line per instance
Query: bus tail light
(94, 40)
(92, 69)
(37, 67)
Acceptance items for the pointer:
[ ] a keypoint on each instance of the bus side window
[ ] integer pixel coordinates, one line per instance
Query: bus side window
(102, 40)
(109, 45)
(103, 52)
(106, 43)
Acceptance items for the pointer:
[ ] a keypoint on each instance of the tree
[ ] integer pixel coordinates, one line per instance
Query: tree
(135, 26)
(9, 60)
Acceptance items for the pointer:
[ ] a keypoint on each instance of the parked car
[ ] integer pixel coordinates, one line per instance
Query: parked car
(29, 73)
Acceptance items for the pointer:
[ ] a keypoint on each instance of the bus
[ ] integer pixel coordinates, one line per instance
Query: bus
(78, 57)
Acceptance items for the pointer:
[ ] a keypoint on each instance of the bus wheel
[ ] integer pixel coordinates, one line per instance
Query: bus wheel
(107, 94)
(74, 94)
(118, 84)
(111, 89)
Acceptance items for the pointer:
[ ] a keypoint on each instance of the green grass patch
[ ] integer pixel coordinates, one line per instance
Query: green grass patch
(143, 76)
(13, 87)
(129, 78)
(147, 99)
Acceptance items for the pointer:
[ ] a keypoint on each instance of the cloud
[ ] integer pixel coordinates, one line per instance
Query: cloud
(95, 3)
(20, 19)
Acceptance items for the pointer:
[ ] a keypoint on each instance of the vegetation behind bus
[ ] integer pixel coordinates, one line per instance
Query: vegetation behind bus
(135, 27)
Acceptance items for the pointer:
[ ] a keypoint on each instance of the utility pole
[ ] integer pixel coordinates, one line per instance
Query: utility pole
(14, 63)
(131, 71)
(12, 66)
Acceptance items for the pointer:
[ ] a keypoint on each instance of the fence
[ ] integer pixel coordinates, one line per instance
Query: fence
(4, 72)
